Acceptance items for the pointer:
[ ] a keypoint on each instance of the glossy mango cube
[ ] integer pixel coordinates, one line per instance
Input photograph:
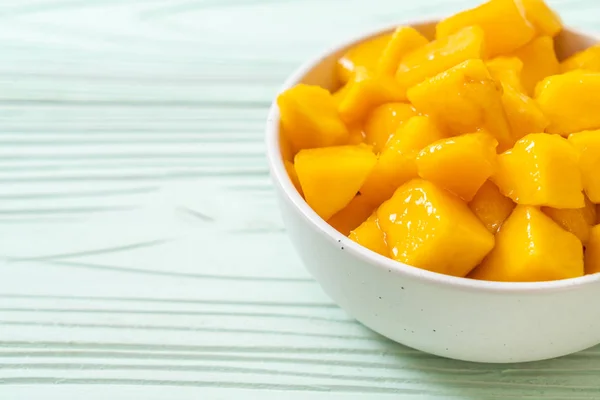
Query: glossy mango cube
(539, 61)
(459, 164)
(522, 112)
(416, 133)
(541, 170)
(367, 90)
(439, 55)
(383, 121)
(578, 221)
(404, 40)
(592, 251)
(340, 93)
(309, 118)
(570, 101)
(357, 134)
(507, 70)
(587, 144)
(330, 177)
(491, 206)
(503, 21)
(465, 99)
(365, 54)
(530, 247)
(545, 21)
(351, 216)
(428, 227)
(588, 59)
(291, 171)
(370, 235)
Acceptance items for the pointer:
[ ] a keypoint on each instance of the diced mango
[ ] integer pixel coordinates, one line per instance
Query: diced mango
(531, 247)
(503, 22)
(370, 235)
(578, 221)
(383, 121)
(507, 70)
(541, 170)
(439, 55)
(416, 133)
(592, 252)
(365, 54)
(522, 112)
(351, 216)
(545, 21)
(587, 144)
(287, 151)
(428, 227)
(339, 94)
(357, 135)
(309, 118)
(330, 177)
(570, 101)
(539, 61)
(465, 99)
(459, 164)
(366, 91)
(404, 40)
(291, 171)
(491, 206)
(588, 59)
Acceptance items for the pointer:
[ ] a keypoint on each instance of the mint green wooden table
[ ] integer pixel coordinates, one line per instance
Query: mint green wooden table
(141, 251)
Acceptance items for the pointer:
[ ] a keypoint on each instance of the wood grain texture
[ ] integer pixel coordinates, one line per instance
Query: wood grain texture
(141, 251)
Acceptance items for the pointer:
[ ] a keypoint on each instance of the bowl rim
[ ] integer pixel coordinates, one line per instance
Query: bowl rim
(290, 194)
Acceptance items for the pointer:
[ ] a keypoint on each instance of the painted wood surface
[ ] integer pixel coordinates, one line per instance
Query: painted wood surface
(141, 252)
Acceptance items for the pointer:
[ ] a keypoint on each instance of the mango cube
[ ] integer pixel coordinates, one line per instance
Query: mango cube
(439, 55)
(459, 164)
(404, 40)
(578, 221)
(370, 235)
(330, 177)
(309, 118)
(587, 144)
(383, 121)
(351, 216)
(428, 227)
(531, 247)
(522, 112)
(365, 54)
(541, 170)
(503, 21)
(507, 70)
(416, 133)
(539, 61)
(570, 101)
(291, 171)
(545, 21)
(357, 135)
(588, 59)
(465, 99)
(491, 206)
(592, 251)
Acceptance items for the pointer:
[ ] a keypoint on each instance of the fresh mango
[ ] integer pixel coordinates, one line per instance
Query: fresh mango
(587, 144)
(503, 21)
(465, 99)
(541, 170)
(365, 54)
(416, 133)
(291, 171)
(351, 216)
(404, 40)
(507, 70)
(370, 235)
(357, 134)
(340, 93)
(330, 177)
(570, 101)
(531, 247)
(539, 61)
(309, 118)
(592, 251)
(491, 206)
(428, 227)
(588, 59)
(522, 112)
(545, 21)
(578, 221)
(459, 164)
(383, 121)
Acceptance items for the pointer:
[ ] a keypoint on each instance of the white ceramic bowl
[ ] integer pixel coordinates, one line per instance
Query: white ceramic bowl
(452, 317)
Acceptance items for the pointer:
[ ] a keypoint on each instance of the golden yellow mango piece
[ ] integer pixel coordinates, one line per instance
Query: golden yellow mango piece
(522, 112)
(291, 171)
(507, 70)
(428, 227)
(592, 251)
(365, 54)
(587, 144)
(530, 247)
(491, 206)
(351, 216)
(578, 221)
(545, 21)
(570, 101)
(439, 55)
(404, 40)
(383, 121)
(357, 135)
(339, 94)
(588, 59)
(285, 147)
(541, 170)
(459, 164)
(309, 118)
(370, 235)
(366, 91)
(465, 99)
(503, 22)
(416, 133)
(330, 177)
(539, 61)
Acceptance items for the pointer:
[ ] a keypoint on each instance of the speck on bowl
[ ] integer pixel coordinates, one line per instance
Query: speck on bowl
(443, 315)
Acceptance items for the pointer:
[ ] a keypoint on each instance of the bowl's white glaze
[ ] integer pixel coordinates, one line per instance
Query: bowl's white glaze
(452, 317)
